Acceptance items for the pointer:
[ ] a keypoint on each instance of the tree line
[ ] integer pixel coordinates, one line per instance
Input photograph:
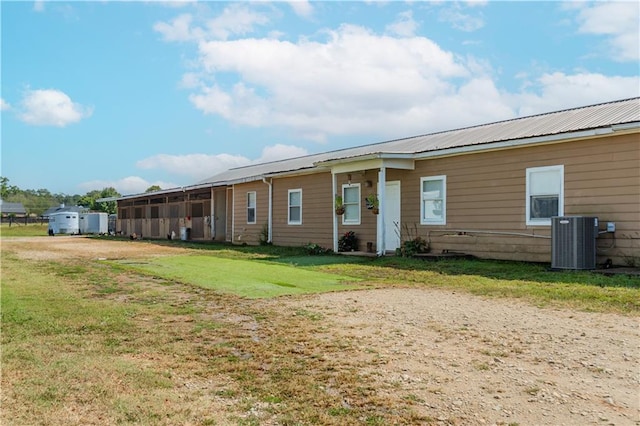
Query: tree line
(37, 201)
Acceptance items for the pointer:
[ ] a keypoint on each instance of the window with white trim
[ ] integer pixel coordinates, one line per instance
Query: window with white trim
(545, 194)
(433, 196)
(295, 207)
(351, 201)
(251, 207)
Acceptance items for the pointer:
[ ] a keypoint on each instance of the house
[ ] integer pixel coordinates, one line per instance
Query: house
(487, 190)
(15, 209)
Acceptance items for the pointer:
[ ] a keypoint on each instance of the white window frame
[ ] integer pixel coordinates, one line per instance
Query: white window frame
(249, 207)
(346, 221)
(289, 206)
(423, 219)
(530, 172)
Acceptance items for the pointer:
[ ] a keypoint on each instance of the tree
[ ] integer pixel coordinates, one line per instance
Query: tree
(108, 206)
(7, 190)
(153, 188)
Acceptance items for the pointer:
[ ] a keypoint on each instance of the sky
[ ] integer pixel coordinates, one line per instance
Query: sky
(135, 94)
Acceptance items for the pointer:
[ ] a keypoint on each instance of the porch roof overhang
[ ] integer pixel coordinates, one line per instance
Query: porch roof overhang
(370, 161)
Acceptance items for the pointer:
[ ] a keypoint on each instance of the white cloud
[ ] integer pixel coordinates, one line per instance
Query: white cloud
(343, 85)
(235, 19)
(351, 80)
(4, 105)
(38, 6)
(125, 186)
(201, 166)
(51, 107)
(404, 26)
(460, 20)
(558, 91)
(196, 166)
(302, 8)
(280, 152)
(179, 29)
(619, 21)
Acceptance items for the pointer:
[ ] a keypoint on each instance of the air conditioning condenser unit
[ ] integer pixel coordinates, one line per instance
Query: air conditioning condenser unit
(573, 242)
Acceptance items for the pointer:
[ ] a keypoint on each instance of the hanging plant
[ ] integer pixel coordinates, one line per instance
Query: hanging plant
(373, 203)
(339, 205)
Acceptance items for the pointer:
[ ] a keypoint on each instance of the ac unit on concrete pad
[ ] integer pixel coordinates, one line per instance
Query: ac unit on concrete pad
(573, 242)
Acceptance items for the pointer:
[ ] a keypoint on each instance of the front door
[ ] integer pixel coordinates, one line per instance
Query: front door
(392, 215)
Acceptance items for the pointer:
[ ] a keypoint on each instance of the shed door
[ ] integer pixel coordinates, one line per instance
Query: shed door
(392, 215)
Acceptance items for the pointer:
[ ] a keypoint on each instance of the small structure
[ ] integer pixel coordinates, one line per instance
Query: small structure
(64, 222)
(12, 210)
(94, 223)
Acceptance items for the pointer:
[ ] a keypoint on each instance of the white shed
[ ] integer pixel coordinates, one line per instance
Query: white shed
(94, 223)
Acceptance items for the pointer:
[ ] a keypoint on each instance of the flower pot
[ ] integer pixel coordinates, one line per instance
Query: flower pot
(375, 210)
(339, 211)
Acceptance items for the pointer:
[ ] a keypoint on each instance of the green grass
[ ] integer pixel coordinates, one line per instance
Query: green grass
(242, 277)
(22, 230)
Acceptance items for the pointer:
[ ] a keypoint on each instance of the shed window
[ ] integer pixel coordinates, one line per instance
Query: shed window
(433, 207)
(351, 200)
(295, 207)
(545, 194)
(251, 207)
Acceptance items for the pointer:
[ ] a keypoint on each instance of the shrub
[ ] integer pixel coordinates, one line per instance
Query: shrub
(316, 249)
(411, 247)
(348, 242)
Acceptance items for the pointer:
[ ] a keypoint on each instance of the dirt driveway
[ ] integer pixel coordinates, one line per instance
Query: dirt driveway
(463, 359)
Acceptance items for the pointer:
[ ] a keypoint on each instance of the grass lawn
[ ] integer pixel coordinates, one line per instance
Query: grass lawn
(22, 230)
(243, 277)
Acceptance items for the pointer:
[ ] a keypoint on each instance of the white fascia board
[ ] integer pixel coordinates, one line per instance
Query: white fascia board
(393, 161)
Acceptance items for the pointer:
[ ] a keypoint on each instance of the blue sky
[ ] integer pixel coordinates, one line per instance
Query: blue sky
(134, 94)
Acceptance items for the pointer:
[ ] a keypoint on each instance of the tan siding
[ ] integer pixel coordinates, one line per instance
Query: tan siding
(317, 211)
(486, 192)
(245, 232)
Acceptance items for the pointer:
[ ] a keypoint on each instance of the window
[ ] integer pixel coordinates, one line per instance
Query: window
(433, 208)
(295, 207)
(351, 200)
(251, 207)
(545, 194)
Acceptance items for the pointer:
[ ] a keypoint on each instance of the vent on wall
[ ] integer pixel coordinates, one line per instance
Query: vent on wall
(573, 242)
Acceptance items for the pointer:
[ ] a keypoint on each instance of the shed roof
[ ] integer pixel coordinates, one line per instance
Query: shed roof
(532, 128)
(63, 208)
(12, 208)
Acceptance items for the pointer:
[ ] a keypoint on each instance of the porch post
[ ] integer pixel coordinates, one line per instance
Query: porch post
(381, 231)
(334, 185)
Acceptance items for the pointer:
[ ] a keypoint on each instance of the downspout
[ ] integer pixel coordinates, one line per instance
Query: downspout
(212, 216)
(270, 208)
(382, 185)
(233, 212)
(334, 185)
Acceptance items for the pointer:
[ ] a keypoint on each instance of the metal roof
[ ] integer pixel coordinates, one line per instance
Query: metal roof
(63, 208)
(559, 123)
(541, 128)
(11, 208)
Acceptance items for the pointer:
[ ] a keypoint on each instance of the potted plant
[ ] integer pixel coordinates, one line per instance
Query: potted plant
(373, 203)
(339, 205)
